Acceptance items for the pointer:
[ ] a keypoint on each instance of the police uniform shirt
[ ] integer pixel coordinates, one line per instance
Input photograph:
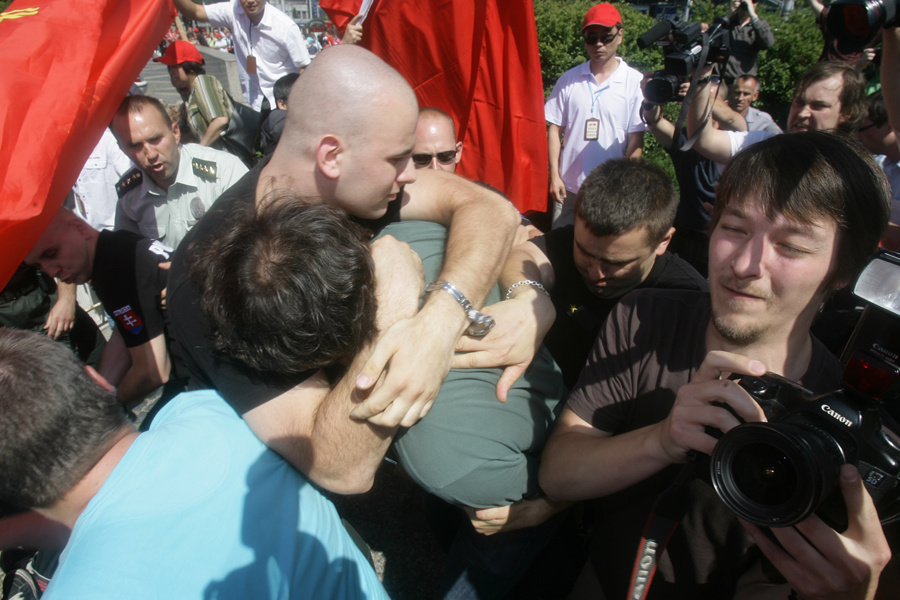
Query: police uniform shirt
(128, 281)
(145, 208)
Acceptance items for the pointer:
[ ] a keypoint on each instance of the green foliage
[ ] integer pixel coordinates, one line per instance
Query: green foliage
(4, 4)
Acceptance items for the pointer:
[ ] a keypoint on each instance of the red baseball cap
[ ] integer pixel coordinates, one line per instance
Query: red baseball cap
(180, 52)
(604, 15)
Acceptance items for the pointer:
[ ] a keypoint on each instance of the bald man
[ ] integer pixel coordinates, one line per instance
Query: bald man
(436, 146)
(348, 142)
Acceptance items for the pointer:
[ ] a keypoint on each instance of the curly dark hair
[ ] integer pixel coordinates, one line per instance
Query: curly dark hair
(288, 287)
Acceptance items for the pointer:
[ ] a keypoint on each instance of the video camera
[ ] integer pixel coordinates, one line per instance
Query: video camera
(858, 22)
(778, 473)
(682, 43)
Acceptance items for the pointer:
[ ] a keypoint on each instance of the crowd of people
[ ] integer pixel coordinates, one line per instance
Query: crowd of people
(343, 295)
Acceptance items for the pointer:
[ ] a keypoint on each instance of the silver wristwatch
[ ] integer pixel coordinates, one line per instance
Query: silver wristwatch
(480, 322)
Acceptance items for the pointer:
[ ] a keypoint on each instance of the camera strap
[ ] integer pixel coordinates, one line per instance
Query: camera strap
(667, 513)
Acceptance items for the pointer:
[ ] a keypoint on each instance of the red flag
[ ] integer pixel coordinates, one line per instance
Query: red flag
(479, 62)
(67, 64)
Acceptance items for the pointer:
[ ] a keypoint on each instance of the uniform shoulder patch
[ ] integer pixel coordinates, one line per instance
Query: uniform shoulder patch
(129, 181)
(204, 169)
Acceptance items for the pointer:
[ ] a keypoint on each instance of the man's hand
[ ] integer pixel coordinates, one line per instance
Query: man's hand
(684, 428)
(61, 317)
(519, 515)
(823, 564)
(557, 189)
(415, 355)
(354, 32)
(522, 323)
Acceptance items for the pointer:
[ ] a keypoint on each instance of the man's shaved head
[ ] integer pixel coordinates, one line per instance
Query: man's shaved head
(344, 92)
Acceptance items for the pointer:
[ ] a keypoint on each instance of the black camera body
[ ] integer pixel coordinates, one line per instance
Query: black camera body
(778, 473)
(683, 45)
(858, 22)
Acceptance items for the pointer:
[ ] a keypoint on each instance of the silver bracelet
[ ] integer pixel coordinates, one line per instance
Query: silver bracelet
(526, 282)
(479, 324)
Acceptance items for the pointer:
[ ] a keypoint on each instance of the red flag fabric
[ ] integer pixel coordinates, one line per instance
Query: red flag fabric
(67, 64)
(479, 62)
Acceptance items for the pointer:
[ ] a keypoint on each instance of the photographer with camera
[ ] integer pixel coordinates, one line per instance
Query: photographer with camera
(797, 218)
(830, 96)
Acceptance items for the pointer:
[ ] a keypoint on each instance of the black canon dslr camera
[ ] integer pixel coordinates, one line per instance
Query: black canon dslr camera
(682, 43)
(778, 473)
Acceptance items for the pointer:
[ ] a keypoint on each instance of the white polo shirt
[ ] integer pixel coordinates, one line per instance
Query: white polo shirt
(616, 103)
(276, 43)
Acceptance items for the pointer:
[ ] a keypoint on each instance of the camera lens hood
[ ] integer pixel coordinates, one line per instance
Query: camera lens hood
(772, 475)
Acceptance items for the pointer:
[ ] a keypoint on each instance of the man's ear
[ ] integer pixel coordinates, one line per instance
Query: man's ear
(176, 131)
(459, 149)
(328, 156)
(99, 379)
(664, 244)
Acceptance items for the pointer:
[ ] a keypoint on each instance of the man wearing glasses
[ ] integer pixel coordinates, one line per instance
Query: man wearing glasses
(436, 146)
(593, 111)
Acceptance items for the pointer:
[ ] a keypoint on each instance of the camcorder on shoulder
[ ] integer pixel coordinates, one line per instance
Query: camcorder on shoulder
(682, 44)
(778, 473)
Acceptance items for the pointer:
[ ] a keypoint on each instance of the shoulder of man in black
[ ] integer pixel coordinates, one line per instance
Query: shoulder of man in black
(129, 281)
(671, 272)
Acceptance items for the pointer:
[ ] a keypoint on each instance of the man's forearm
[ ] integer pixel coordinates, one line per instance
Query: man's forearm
(215, 129)
(554, 148)
(727, 117)
(577, 465)
(890, 75)
(711, 143)
(635, 146)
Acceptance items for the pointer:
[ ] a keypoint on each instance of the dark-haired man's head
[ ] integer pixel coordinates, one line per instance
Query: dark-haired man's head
(623, 220)
(57, 420)
(436, 146)
(284, 303)
(830, 96)
(149, 138)
(797, 216)
(282, 89)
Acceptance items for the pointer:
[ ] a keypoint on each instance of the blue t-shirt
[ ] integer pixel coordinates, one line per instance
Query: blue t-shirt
(199, 508)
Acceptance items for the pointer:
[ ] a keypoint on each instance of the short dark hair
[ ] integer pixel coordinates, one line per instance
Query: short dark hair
(853, 91)
(136, 104)
(623, 194)
(814, 176)
(193, 68)
(877, 111)
(283, 86)
(288, 287)
(57, 422)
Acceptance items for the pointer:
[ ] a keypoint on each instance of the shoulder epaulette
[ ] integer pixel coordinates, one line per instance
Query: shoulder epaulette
(129, 181)
(204, 169)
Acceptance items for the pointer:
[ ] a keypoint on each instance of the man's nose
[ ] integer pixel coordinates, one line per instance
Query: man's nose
(747, 259)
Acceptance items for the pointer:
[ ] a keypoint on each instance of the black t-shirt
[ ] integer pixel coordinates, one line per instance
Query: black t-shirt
(579, 313)
(128, 281)
(697, 179)
(242, 387)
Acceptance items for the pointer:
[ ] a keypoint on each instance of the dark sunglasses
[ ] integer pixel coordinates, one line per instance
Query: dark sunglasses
(445, 158)
(593, 37)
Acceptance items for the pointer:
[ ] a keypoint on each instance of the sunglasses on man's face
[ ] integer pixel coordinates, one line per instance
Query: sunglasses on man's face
(593, 37)
(445, 158)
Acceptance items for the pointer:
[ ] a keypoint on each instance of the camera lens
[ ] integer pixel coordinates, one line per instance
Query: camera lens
(764, 475)
(774, 475)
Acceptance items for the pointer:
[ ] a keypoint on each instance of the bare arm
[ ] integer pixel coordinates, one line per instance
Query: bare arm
(61, 317)
(635, 146)
(150, 369)
(817, 7)
(662, 130)
(482, 226)
(890, 75)
(711, 143)
(194, 12)
(554, 147)
(522, 321)
(214, 130)
(581, 461)
(310, 425)
(115, 359)
(728, 119)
